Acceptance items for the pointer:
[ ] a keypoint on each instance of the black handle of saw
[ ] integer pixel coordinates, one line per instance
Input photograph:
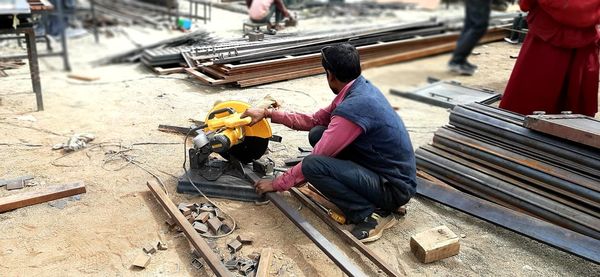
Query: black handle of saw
(214, 113)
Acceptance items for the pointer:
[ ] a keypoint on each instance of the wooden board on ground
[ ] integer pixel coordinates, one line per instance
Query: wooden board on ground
(434, 244)
(264, 264)
(574, 127)
(40, 196)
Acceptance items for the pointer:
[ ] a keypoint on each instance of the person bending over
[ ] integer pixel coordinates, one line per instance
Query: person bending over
(261, 11)
(363, 160)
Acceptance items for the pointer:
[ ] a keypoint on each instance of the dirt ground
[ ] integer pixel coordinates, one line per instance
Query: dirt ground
(102, 233)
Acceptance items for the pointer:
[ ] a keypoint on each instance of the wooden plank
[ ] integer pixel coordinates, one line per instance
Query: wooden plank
(347, 236)
(40, 196)
(83, 76)
(434, 244)
(164, 71)
(195, 239)
(264, 264)
(574, 127)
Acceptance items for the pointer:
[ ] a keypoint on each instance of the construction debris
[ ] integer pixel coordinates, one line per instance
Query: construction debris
(149, 249)
(200, 245)
(15, 183)
(434, 244)
(161, 246)
(141, 261)
(75, 142)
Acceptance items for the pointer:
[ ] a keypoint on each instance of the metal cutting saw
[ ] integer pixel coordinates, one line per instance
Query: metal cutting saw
(223, 148)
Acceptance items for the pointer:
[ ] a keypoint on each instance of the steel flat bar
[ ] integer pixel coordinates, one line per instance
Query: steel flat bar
(334, 253)
(349, 238)
(542, 231)
(195, 239)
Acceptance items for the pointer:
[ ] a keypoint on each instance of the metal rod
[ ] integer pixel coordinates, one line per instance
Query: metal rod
(34, 69)
(313, 234)
(349, 238)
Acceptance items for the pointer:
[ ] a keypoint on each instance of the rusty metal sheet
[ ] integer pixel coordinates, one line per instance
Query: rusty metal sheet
(574, 127)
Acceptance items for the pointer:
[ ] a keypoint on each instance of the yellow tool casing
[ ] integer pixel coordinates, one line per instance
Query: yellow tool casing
(224, 119)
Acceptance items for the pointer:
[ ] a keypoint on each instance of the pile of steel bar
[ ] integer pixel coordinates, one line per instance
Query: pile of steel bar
(248, 64)
(486, 151)
(133, 11)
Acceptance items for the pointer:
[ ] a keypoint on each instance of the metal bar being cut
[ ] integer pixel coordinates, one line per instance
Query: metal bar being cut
(195, 239)
(334, 253)
(347, 236)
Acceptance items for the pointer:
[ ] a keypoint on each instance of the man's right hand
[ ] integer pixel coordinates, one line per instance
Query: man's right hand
(255, 114)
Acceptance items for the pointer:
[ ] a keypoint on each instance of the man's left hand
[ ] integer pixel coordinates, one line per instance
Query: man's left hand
(263, 186)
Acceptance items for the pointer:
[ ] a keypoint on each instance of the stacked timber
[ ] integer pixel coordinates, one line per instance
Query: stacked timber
(253, 63)
(486, 152)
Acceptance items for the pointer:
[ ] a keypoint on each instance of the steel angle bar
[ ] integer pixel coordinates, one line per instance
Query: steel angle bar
(349, 238)
(573, 200)
(531, 153)
(513, 161)
(334, 253)
(480, 123)
(531, 202)
(335, 37)
(542, 231)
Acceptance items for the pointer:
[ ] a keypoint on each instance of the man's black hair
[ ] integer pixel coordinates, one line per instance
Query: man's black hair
(341, 60)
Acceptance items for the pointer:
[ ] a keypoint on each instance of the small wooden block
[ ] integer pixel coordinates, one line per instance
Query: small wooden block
(234, 246)
(161, 246)
(200, 227)
(170, 222)
(434, 244)
(203, 217)
(206, 209)
(215, 224)
(244, 240)
(225, 228)
(190, 218)
(186, 211)
(141, 261)
(15, 185)
(149, 249)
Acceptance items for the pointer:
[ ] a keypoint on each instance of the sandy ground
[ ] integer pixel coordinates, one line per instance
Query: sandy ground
(101, 233)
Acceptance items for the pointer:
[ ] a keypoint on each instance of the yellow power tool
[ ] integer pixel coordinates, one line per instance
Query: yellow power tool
(227, 134)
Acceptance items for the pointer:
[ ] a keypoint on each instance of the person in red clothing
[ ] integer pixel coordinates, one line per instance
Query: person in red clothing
(363, 160)
(557, 68)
